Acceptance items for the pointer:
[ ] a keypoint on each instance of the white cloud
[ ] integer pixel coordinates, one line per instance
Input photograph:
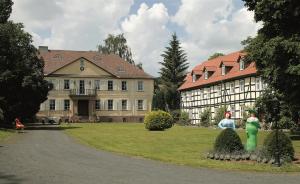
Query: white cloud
(147, 35)
(213, 26)
(70, 24)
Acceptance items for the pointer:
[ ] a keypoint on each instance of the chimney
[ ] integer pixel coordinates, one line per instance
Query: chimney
(43, 49)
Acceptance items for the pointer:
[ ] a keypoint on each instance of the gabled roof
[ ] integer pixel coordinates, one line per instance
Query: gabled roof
(215, 63)
(56, 59)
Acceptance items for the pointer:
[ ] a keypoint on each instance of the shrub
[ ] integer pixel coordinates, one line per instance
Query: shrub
(285, 145)
(158, 120)
(220, 114)
(175, 115)
(228, 141)
(184, 119)
(205, 117)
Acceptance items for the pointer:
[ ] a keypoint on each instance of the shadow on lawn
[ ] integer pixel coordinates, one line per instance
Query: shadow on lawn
(50, 127)
(10, 178)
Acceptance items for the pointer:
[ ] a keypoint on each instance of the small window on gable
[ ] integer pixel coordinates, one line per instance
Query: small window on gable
(223, 69)
(242, 64)
(206, 74)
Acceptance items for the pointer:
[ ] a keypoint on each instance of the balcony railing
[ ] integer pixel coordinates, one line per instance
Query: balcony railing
(83, 92)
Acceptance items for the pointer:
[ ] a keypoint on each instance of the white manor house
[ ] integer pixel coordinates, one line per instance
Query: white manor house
(225, 80)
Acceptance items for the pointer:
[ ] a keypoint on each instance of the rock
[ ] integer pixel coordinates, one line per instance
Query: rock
(265, 160)
(222, 157)
(253, 157)
(217, 156)
(227, 157)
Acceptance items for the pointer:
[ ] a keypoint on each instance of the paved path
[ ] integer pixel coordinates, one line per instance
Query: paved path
(50, 156)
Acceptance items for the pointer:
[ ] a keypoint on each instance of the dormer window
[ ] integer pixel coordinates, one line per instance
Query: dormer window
(242, 64)
(194, 77)
(206, 74)
(223, 69)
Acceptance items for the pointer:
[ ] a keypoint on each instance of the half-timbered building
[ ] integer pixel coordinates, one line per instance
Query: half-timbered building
(225, 80)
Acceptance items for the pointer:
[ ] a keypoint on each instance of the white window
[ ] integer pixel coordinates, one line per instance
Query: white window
(140, 104)
(232, 88)
(242, 85)
(223, 69)
(110, 85)
(124, 85)
(258, 83)
(242, 109)
(66, 105)
(219, 90)
(110, 104)
(97, 84)
(97, 105)
(194, 77)
(140, 86)
(52, 105)
(206, 74)
(66, 84)
(232, 111)
(242, 64)
(124, 105)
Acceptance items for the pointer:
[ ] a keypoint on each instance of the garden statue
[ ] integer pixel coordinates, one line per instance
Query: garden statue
(227, 122)
(252, 126)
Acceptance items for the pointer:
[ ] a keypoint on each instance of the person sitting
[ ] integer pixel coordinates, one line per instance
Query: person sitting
(227, 122)
(19, 125)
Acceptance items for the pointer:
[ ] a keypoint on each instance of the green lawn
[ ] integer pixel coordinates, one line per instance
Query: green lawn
(5, 134)
(180, 145)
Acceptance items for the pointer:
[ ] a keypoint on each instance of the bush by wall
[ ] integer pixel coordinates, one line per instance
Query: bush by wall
(184, 119)
(228, 141)
(286, 150)
(158, 120)
(220, 114)
(205, 117)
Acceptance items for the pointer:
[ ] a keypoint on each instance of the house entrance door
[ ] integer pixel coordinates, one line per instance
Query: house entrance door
(83, 108)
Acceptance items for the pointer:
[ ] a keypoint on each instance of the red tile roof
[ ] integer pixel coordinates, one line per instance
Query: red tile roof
(113, 64)
(229, 60)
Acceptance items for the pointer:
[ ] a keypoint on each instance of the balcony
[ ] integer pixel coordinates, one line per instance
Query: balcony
(83, 92)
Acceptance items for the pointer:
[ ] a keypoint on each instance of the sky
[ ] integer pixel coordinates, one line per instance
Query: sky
(203, 27)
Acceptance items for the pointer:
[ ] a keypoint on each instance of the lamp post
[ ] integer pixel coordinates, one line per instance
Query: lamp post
(276, 111)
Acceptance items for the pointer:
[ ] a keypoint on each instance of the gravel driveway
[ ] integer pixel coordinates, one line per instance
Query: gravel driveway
(50, 156)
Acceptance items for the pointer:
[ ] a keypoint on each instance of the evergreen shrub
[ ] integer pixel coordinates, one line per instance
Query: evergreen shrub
(158, 120)
(228, 141)
(286, 150)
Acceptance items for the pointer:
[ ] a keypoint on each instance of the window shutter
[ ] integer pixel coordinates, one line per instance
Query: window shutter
(115, 85)
(144, 105)
(115, 104)
(128, 105)
(105, 104)
(103, 85)
(42, 106)
(136, 105)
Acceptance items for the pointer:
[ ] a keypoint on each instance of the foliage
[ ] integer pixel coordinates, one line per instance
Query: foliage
(215, 55)
(5, 10)
(276, 48)
(241, 123)
(175, 115)
(22, 83)
(284, 115)
(158, 102)
(228, 141)
(285, 145)
(220, 114)
(158, 120)
(205, 117)
(117, 45)
(184, 119)
(173, 72)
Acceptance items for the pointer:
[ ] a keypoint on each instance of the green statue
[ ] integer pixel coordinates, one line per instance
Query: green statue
(252, 127)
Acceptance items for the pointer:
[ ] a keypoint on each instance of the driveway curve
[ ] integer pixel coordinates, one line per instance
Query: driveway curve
(48, 155)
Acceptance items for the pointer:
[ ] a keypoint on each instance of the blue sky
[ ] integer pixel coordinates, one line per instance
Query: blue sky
(203, 26)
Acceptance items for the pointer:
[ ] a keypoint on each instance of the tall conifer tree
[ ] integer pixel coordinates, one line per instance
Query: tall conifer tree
(173, 72)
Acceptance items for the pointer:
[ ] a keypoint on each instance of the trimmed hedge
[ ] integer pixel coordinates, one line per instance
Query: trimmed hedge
(158, 120)
(286, 150)
(228, 141)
